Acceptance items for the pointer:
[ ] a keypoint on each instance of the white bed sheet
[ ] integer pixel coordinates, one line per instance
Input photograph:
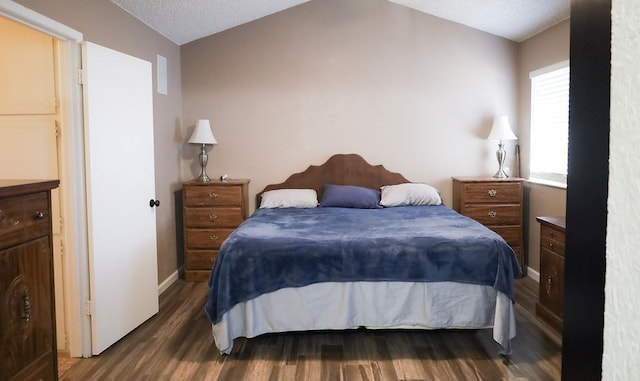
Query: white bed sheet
(376, 305)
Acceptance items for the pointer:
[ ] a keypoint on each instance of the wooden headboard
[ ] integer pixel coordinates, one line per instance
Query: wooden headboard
(340, 169)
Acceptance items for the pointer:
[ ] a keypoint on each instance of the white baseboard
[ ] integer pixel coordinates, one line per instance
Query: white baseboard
(162, 287)
(533, 274)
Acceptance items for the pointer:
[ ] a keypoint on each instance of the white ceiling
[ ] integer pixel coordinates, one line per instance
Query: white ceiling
(188, 20)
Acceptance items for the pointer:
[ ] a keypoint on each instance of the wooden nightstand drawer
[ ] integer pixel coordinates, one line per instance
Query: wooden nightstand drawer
(495, 214)
(197, 275)
(213, 217)
(213, 195)
(496, 192)
(200, 259)
(206, 238)
(511, 234)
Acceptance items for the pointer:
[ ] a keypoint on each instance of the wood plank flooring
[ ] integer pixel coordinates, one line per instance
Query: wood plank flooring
(176, 344)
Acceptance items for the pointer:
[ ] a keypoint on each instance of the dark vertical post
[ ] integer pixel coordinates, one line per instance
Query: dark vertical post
(587, 189)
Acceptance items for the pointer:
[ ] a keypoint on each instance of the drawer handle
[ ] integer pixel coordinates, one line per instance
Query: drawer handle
(549, 285)
(213, 195)
(26, 308)
(213, 237)
(550, 245)
(39, 215)
(212, 217)
(213, 259)
(492, 214)
(492, 192)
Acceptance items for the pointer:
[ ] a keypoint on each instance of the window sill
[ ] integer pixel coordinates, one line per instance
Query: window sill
(548, 183)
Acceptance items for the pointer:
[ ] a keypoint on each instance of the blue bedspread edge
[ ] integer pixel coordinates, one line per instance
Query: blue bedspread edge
(278, 248)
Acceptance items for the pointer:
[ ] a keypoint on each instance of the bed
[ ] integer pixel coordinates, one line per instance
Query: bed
(346, 263)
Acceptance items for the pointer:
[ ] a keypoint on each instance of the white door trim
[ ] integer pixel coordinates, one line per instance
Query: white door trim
(37, 21)
(73, 171)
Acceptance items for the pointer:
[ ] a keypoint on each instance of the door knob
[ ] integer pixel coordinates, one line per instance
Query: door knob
(153, 203)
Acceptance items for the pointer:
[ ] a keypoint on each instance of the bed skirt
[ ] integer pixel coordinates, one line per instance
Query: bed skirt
(375, 305)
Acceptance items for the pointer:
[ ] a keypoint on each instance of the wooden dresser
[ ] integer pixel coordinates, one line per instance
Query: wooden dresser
(551, 295)
(212, 210)
(496, 203)
(28, 349)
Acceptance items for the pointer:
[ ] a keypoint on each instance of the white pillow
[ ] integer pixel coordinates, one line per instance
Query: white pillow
(409, 194)
(289, 198)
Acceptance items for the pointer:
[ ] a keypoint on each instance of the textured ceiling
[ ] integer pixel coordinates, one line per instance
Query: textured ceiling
(515, 20)
(184, 21)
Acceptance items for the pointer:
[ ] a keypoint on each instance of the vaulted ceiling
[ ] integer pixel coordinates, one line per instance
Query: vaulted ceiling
(188, 20)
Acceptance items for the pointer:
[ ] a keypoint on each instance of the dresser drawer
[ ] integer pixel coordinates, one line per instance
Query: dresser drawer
(206, 238)
(550, 233)
(552, 245)
(495, 214)
(213, 195)
(213, 217)
(23, 218)
(200, 259)
(496, 192)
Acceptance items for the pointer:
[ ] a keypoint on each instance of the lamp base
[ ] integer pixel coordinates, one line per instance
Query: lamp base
(501, 154)
(501, 174)
(203, 178)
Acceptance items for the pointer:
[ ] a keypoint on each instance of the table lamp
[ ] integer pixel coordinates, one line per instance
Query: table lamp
(501, 131)
(202, 135)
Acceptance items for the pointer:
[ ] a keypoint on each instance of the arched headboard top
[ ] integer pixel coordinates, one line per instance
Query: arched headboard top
(340, 169)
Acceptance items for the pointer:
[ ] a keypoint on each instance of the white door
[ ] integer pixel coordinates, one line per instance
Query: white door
(120, 184)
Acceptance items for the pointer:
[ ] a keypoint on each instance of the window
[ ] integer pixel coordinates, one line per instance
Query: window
(550, 123)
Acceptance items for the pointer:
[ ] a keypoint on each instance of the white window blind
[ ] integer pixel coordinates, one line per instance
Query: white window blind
(550, 123)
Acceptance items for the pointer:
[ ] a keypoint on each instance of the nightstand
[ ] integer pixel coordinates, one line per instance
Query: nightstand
(495, 203)
(551, 293)
(212, 210)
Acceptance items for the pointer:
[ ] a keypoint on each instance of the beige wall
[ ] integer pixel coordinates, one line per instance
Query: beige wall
(544, 49)
(106, 24)
(402, 88)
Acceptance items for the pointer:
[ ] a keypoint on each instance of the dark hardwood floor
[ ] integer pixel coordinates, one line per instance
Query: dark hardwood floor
(176, 344)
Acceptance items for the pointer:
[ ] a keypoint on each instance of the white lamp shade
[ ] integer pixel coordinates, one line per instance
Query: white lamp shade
(501, 129)
(202, 133)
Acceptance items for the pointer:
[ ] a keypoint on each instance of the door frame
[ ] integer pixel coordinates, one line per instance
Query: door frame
(73, 195)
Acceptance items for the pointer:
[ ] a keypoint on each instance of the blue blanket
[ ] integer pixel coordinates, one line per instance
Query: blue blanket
(278, 248)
